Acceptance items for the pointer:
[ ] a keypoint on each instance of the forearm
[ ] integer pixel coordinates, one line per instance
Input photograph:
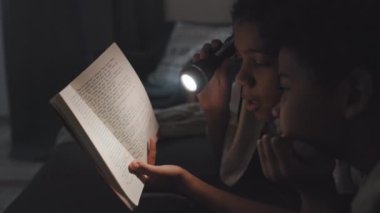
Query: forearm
(217, 123)
(221, 201)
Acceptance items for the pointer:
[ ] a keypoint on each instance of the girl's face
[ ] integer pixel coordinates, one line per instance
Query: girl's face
(307, 110)
(258, 73)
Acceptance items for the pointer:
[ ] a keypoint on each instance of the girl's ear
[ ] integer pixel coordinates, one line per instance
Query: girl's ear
(360, 92)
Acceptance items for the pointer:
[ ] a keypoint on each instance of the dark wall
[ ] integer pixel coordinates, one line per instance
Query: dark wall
(49, 42)
(141, 31)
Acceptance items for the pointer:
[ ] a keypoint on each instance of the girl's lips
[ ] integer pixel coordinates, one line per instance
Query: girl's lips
(251, 105)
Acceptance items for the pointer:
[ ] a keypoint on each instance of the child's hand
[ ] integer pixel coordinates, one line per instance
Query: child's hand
(152, 152)
(285, 160)
(166, 177)
(216, 94)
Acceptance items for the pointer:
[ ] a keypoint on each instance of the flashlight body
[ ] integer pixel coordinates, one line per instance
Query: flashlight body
(202, 70)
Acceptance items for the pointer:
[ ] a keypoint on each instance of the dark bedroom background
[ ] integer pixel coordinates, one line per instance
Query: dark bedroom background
(47, 43)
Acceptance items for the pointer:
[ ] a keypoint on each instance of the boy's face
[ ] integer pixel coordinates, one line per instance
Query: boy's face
(307, 110)
(258, 73)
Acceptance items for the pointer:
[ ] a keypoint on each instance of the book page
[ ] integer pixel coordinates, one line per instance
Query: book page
(111, 151)
(112, 89)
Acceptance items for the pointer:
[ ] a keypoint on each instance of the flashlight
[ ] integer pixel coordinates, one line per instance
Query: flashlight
(195, 75)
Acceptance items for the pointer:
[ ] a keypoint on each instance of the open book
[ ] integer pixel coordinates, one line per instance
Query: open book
(108, 111)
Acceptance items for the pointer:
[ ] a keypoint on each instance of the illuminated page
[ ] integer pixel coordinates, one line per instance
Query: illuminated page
(113, 154)
(114, 92)
(111, 105)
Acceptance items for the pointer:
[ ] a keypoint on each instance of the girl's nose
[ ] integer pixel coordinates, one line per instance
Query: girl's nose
(244, 78)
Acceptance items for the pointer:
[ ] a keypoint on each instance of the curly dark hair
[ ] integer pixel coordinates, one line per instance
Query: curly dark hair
(264, 14)
(333, 37)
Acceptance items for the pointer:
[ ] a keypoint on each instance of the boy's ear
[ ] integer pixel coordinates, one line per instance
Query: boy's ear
(360, 92)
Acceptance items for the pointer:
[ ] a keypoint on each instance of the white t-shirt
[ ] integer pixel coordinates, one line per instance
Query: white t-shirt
(242, 133)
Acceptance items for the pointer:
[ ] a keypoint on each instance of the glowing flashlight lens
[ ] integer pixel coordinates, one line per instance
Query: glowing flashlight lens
(189, 82)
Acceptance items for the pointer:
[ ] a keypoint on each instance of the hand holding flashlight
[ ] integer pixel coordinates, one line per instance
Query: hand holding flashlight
(216, 93)
(196, 74)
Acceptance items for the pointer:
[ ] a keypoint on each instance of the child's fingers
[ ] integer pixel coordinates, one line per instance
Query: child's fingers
(205, 52)
(284, 154)
(196, 57)
(263, 160)
(216, 44)
(268, 159)
(152, 152)
(272, 160)
(140, 172)
(207, 49)
(147, 169)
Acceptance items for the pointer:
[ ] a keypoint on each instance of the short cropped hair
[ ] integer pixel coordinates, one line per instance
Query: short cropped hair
(335, 38)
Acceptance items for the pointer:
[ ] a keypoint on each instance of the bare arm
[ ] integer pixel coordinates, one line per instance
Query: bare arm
(214, 99)
(221, 201)
(174, 177)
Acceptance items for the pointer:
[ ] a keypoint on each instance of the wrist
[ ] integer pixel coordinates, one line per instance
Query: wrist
(184, 181)
(190, 186)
